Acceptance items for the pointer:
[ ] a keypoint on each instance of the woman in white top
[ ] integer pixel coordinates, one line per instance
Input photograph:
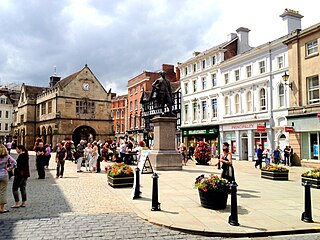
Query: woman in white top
(87, 155)
(93, 159)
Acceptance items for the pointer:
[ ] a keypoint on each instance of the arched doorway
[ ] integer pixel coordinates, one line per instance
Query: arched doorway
(49, 135)
(244, 147)
(44, 135)
(83, 133)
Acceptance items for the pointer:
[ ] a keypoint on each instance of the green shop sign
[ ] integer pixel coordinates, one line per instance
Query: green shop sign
(200, 131)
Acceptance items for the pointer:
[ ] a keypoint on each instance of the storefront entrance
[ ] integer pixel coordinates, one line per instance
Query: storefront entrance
(83, 133)
(244, 147)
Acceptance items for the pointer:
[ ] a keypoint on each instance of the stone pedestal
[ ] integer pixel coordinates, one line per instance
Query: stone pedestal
(164, 155)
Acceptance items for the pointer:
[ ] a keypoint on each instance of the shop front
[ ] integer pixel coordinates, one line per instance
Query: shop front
(209, 134)
(244, 138)
(305, 138)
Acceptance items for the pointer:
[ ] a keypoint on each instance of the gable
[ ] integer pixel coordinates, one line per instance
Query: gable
(83, 84)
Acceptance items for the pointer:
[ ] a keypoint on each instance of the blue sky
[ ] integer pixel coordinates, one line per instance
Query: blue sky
(120, 39)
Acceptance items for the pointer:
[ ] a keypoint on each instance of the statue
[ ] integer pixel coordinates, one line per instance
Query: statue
(163, 92)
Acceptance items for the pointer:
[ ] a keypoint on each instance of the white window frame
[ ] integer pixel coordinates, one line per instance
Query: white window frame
(203, 64)
(237, 74)
(214, 60)
(312, 89)
(226, 105)
(214, 79)
(204, 109)
(204, 83)
(186, 88)
(237, 103)
(262, 66)
(214, 107)
(186, 112)
(226, 78)
(249, 101)
(280, 62)
(281, 94)
(312, 48)
(194, 111)
(249, 71)
(194, 85)
(263, 100)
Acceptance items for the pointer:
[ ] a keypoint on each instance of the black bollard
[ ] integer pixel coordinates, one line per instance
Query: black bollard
(307, 214)
(155, 202)
(137, 185)
(219, 164)
(233, 218)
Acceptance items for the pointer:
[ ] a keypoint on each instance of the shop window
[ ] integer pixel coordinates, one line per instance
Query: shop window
(263, 99)
(281, 95)
(314, 142)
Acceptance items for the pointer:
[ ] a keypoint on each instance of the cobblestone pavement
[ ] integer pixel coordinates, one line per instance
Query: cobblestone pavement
(80, 205)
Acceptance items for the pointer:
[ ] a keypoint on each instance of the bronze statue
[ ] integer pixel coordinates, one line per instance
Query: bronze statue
(163, 95)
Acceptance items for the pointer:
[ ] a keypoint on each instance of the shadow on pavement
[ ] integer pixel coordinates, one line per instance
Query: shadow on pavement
(44, 200)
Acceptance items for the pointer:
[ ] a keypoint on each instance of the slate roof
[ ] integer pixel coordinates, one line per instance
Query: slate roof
(33, 91)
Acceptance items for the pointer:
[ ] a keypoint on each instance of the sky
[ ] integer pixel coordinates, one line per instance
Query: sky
(120, 39)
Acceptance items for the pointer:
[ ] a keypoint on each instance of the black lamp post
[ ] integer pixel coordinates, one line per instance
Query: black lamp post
(285, 78)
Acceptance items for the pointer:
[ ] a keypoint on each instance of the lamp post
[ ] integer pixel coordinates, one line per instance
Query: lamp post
(285, 78)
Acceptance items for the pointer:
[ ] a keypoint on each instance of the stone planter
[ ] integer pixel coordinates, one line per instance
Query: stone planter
(120, 182)
(213, 199)
(202, 161)
(275, 175)
(315, 182)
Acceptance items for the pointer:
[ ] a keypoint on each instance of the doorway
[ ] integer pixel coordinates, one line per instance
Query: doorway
(83, 133)
(244, 146)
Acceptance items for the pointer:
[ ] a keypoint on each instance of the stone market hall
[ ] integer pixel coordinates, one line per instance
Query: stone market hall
(76, 107)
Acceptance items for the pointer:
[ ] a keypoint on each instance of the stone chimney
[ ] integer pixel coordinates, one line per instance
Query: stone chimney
(177, 74)
(231, 36)
(292, 19)
(243, 40)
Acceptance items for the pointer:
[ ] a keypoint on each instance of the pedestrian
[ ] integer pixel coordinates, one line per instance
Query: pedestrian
(191, 152)
(21, 174)
(7, 163)
(266, 155)
(259, 156)
(94, 158)
(123, 152)
(291, 155)
(286, 155)
(183, 153)
(40, 160)
(87, 155)
(80, 155)
(226, 160)
(61, 157)
(47, 155)
(9, 145)
(276, 155)
(99, 156)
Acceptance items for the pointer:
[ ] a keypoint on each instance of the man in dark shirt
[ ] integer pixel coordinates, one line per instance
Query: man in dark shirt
(259, 155)
(60, 159)
(40, 160)
(80, 150)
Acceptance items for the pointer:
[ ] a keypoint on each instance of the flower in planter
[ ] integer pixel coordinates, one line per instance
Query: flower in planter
(202, 152)
(313, 173)
(275, 168)
(213, 182)
(120, 170)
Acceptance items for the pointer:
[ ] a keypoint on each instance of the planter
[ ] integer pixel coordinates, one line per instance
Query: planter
(202, 161)
(315, 182)
(120, 182)
(275, 175)
(213, 199)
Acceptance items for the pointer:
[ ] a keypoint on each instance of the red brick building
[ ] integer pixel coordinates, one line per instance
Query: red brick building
(136, 86)
(119, 115)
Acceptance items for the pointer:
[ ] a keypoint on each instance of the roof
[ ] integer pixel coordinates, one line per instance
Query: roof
(33, 91)
(64, 82)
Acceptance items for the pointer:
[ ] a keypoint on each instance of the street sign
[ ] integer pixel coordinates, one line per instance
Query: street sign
(261, 128)
(288, 129)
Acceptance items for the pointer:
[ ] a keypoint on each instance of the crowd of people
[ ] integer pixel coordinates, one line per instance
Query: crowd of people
(276, 156)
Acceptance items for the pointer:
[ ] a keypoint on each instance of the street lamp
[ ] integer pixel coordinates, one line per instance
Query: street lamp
(285, 78)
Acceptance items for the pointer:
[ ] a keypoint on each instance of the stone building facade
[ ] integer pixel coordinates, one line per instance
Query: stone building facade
(304, 89)
(76, 107)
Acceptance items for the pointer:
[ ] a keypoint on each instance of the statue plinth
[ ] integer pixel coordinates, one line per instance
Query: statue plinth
(164, 155)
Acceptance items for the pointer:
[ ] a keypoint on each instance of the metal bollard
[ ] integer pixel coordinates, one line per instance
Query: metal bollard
(137, 186)
(233, 218)
(155, 202)
(307, 214)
